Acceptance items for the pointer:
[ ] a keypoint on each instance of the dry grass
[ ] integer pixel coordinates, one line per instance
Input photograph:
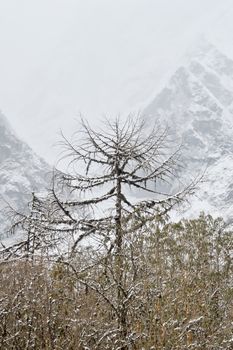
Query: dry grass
(182, 296)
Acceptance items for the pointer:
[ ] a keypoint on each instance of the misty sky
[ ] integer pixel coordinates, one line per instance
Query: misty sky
(60, 58)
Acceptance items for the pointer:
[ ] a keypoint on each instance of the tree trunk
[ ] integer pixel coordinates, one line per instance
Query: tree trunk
(122, 311)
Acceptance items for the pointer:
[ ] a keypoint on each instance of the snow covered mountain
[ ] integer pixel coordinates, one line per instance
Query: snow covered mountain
(197, 103)
(21, 171)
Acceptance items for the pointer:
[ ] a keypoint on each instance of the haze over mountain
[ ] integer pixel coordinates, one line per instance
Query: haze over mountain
(104, 58)
(197, 103)
(21, 171)
(62, 57)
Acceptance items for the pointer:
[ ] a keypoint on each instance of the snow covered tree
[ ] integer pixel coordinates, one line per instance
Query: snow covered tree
(109, 171)
(113, 191)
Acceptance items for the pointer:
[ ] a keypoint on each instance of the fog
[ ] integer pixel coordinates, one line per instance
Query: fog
(60, 58)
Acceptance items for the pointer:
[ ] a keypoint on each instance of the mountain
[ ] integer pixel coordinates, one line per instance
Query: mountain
(197, 103)
(92, 58)
(21, 171)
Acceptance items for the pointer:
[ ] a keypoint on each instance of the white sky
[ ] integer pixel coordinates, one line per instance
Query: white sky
(62, 57)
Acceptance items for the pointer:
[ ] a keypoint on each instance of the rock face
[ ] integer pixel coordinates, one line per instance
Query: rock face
(198, 105)
(21, 171)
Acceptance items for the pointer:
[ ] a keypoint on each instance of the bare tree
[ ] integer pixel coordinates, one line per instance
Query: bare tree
(37, 238)
(113, 188)
(105, 166)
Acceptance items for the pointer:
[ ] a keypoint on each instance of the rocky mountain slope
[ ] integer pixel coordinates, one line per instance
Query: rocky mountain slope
(197, 103)
(21, 171)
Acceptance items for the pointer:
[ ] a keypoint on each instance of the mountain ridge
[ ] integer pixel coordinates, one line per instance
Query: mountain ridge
(21, 170)
(197, 103)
